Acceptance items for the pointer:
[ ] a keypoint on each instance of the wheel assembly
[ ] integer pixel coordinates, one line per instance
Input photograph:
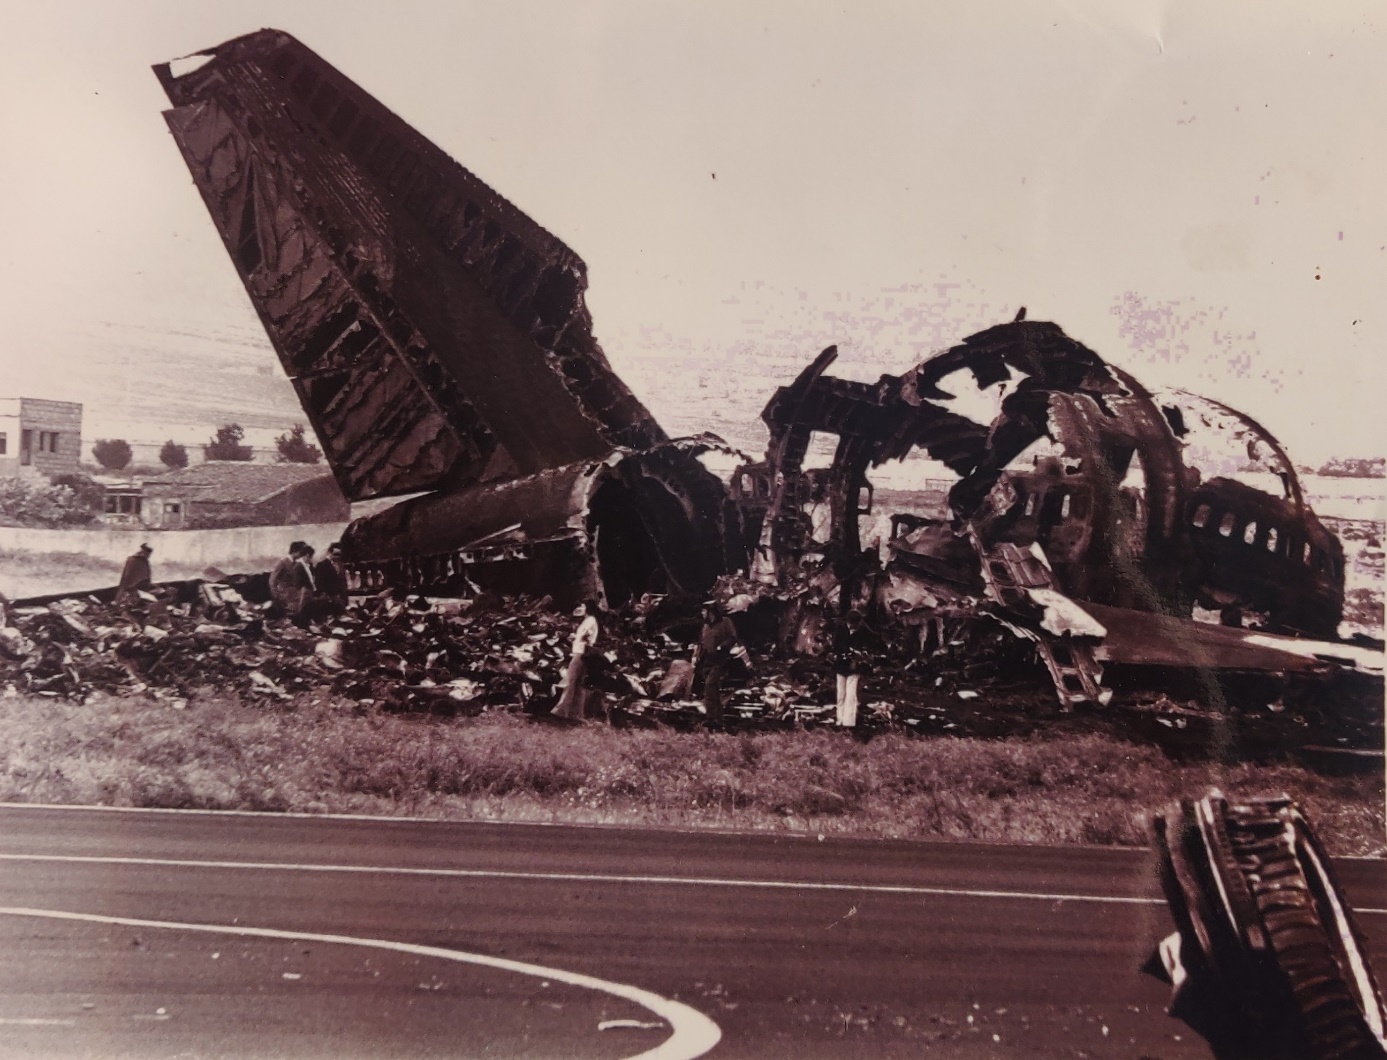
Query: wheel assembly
(1266, 960)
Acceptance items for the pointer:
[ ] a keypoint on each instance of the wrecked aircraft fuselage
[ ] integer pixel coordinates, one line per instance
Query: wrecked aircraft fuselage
(1119, 516)
(618, 528)
(440, 344)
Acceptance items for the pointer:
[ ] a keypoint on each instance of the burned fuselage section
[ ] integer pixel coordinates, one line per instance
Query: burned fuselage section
(437, 337)
(1077, 490)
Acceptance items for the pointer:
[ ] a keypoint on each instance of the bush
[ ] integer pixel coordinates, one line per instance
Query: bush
(45, 504)
(227, 444)
(87, 492)
(294, 449)
(112, 453)
(173, 455)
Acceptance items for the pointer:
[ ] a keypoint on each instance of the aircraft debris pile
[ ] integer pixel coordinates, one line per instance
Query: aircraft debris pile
(401, 652)
(440, 344)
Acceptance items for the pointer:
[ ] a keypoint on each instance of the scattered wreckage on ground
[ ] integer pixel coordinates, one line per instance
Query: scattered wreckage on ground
(440, 344)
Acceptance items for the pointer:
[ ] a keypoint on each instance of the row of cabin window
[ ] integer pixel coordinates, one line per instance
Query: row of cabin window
(1059, 504)
(1273, 541)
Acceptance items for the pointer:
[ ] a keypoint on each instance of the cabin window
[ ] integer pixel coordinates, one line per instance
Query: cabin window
(1066, 506)
(1250, 533)
(1201, 516)
(4, 443)
(1226, 525)
(1271, 539)
(1305, 556)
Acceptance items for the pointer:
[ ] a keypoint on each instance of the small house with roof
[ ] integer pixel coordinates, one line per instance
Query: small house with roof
(223, 493)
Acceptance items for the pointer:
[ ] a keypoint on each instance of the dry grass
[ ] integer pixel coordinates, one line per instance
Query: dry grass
(334, 757)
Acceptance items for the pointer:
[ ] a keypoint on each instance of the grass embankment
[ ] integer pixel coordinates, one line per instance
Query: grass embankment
(335, 757)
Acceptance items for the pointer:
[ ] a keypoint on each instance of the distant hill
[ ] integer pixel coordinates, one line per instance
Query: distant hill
(1355, 467)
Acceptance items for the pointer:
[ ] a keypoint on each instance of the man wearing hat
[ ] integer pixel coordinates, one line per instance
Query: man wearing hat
(330, 582)
(136, 577)
(291, 581)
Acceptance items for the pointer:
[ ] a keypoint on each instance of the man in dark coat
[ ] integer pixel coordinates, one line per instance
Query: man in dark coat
(291, 582)
(331, 582)
(135, 577)
(718, 645)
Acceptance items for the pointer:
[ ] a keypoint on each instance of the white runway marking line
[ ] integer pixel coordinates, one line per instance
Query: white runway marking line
(692, 1033)
(591, 877)
(292, 815)
(599, 877)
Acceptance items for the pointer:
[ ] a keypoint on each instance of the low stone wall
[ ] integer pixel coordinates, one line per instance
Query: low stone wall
(234, 550)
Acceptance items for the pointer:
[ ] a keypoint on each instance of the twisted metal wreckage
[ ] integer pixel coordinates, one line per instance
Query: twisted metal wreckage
(439, 342)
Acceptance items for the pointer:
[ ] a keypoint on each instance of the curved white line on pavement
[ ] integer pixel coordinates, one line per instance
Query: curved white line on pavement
(692, 1033)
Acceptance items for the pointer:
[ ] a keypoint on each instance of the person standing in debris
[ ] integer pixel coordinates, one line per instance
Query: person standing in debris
(136, 576)
(851, 652)
(292, 585)
(573, 703)
(330, 579)
(718, 645)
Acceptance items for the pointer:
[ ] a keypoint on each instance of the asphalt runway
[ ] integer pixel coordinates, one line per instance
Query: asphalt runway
(157, 934)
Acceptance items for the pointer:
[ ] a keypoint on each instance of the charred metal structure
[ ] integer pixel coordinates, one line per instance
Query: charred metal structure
(1120, 517)
(437, 337)
(1106, 537)
(439, 342)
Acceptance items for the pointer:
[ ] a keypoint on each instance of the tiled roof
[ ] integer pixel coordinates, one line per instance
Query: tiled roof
(236, 480)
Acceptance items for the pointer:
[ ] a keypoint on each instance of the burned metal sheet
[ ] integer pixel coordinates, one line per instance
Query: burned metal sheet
(436, 336)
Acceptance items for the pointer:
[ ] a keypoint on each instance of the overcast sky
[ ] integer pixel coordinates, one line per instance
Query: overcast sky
(1193, 189)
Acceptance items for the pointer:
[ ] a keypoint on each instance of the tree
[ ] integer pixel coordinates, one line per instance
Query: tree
(173, 455)
(112, 453)
(227, 444)
(294, 449)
